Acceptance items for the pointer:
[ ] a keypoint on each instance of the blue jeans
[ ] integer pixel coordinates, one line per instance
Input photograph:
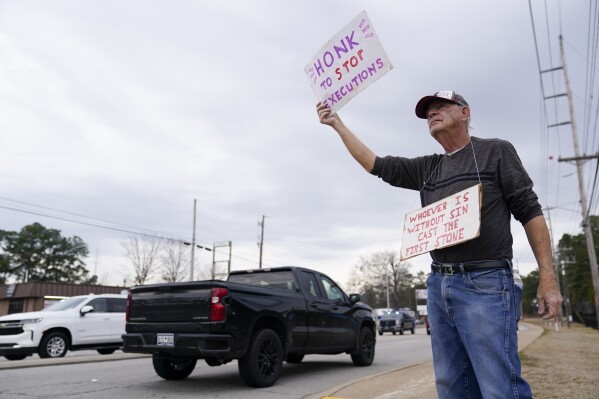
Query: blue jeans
(473, 319)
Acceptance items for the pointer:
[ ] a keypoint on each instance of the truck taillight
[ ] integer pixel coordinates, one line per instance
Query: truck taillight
(128, 306)
(217, 308)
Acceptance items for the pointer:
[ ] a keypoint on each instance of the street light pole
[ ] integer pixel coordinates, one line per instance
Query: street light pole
(261, 243)
(193, 241)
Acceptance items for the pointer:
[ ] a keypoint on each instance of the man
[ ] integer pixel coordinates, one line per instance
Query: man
(472, 301)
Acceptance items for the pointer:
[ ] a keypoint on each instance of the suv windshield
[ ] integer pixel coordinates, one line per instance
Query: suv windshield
(68, 303)
(396, 314)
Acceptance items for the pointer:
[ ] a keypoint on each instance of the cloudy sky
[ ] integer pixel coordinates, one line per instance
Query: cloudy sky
(120, 113)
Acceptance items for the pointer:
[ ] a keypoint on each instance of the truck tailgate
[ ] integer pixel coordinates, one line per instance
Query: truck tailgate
(174, 303)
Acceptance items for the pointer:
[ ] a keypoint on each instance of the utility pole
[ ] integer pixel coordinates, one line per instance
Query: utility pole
(193, 241)
(388, 292)
(583, 199)
(213, 271)
(96, 263)
(261, 243)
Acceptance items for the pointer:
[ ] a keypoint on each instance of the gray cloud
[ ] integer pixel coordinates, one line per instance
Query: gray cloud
(127, 113)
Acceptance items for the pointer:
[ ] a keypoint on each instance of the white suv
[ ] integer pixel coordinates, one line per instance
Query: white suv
(76, 323)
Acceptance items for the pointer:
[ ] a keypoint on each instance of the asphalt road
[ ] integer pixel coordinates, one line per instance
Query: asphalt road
(90, 376)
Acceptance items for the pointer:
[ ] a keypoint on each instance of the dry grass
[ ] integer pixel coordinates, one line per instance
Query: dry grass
(564, 363)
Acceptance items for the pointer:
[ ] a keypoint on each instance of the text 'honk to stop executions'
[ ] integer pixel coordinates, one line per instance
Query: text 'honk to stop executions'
(447, 222)
(348, 63)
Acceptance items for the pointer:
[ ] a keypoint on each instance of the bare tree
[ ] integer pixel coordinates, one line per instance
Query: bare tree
(144, 254)
(204, 272)
(174, 261)
(380, 270)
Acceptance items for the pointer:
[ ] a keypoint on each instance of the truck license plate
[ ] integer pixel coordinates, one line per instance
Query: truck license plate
(165, 339)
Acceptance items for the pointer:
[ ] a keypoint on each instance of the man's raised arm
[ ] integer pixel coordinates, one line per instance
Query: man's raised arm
(356, 148)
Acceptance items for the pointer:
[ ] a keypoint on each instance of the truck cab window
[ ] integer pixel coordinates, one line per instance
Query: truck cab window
(310, 284)
(333, 292)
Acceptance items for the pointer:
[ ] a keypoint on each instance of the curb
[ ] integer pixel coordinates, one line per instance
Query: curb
(419, 368)
(27, 363)
(409, 382)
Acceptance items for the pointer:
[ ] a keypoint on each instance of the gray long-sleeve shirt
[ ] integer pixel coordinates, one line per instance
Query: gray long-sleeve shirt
(507, 189)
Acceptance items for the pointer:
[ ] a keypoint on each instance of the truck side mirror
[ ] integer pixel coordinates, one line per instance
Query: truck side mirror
(85, 310)
(354, 298)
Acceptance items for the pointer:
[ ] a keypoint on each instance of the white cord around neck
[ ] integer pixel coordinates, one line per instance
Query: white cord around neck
(453, 152)
(450, 154)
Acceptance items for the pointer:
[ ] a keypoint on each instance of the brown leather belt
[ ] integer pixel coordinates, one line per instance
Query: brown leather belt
(452, 268)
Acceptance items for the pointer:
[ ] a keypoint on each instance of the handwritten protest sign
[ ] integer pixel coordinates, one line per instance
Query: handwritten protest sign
(348, 63)
(447, 222)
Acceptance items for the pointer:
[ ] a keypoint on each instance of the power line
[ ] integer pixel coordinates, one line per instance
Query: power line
(592, 41)
(88, 223)
(130, 230)
(587, 100)
(72, 214)
(593, 198)
(544, 133)
(163, 236)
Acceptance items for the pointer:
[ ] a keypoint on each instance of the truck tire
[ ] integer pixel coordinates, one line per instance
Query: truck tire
(365, 354)
(413, 330)
(53, 344)
(173, 369)
(15, 357)
(294, 358)
(106, 351)
(401, 331)
(262, 364)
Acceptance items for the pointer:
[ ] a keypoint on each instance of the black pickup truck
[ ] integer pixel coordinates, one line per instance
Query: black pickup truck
(260, 317)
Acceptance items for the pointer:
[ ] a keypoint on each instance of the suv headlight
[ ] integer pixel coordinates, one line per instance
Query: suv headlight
(27, 322)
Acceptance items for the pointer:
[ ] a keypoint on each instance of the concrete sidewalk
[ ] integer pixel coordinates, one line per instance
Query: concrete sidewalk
(413, 382)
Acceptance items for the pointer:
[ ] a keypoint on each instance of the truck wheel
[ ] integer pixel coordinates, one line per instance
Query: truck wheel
(294, 358)
(15, 357)
(365, 354)
(401, 332)
(380, 333)
(173, 369)
(53, 344)
(394, 332)
(262, 364)
(106, 351)
(413, 330)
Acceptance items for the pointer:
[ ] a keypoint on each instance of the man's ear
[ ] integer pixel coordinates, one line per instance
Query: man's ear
(465, 113)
